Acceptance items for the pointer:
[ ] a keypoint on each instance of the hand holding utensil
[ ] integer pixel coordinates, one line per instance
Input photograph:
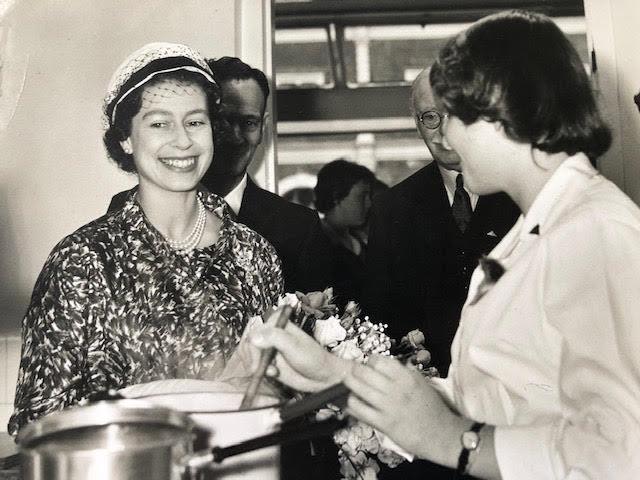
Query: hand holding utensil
(266, 357)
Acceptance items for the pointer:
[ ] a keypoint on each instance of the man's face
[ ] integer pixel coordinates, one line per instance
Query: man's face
(422, 101)
(242, 111)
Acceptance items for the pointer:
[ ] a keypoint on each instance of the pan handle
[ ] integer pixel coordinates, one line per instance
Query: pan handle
(335, 394)
(198, 460)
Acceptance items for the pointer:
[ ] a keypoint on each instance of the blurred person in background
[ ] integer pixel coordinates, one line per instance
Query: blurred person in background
(343, 196)
(376, 187)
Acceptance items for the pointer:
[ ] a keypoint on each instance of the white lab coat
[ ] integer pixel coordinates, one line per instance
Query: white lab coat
(550, 355)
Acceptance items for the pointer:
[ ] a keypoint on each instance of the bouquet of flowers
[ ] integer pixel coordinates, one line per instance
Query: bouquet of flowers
(351, 337)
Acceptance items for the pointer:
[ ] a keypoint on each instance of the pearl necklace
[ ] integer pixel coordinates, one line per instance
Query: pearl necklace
(186, 246)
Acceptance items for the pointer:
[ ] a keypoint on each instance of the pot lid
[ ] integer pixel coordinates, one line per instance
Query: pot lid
(101, 414)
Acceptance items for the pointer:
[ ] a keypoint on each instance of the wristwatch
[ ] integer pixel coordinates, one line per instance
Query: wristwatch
(470, 441)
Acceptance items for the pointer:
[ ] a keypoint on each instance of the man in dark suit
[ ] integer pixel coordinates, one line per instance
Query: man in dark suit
(421, 253)
(293, 230)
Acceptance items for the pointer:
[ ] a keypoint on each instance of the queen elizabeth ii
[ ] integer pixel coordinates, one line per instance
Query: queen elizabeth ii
(163, 287)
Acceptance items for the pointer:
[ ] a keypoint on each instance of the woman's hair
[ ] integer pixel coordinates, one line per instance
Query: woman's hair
(120, 129)
(518, 68)
(335, 180)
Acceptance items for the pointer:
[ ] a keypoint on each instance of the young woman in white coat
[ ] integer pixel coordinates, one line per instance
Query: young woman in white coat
(545, 373)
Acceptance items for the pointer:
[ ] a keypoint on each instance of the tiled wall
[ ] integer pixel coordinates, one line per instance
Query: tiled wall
(9, 361)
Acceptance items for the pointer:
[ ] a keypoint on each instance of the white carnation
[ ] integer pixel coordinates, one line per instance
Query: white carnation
(349, 350)
(329, 332)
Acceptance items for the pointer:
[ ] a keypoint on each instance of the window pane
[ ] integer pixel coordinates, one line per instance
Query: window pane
(397, 53)
(393, 53)
(301, 58)
(392, 156)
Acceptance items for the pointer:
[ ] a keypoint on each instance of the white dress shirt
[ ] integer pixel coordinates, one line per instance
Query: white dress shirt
(550, 355)
(449, 180)
(234, 197)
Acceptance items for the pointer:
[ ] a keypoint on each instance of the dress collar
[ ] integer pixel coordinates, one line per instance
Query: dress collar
(134, 219)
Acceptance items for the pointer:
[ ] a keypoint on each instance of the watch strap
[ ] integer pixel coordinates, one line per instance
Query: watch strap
(463, 459)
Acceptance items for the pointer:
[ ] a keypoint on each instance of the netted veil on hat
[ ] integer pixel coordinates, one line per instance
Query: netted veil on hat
(144, 64)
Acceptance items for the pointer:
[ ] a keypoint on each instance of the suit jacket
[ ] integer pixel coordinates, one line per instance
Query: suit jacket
(296, 234)
(409, 280)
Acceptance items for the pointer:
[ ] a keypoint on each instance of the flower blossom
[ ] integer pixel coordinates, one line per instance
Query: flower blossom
(416, 338)
(389, 457)
(349, 350)
(423, 357)
(316, 303)
(329, 332)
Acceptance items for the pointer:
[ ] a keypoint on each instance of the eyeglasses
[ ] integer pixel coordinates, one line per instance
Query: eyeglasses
(432, 119)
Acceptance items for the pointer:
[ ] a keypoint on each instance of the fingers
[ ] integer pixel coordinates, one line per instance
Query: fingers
(366, 382)
(382, 373)
(388, 366)
(291, 342)
(302, 362)
(383, 384)
(366, 413)
(403, 378)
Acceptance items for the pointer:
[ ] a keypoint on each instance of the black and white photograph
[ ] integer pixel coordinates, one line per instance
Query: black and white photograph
(319, 240)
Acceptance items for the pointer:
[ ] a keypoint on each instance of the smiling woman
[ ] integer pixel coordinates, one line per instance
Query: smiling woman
(164, 286)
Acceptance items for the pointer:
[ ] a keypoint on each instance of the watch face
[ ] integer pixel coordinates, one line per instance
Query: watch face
(470, 440)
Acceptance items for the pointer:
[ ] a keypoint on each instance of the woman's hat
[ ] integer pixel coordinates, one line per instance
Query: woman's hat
(144, 64)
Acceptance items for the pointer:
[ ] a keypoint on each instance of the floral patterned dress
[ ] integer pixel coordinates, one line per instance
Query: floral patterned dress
(114, 305)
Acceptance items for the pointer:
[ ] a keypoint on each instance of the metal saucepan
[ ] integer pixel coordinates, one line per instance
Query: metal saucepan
(135, 439)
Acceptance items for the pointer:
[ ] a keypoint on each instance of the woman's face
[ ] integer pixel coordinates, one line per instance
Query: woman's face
(171, 138)
(355, 206)
(482, 153)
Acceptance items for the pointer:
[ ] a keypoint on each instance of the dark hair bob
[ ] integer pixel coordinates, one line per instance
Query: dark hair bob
(120, 128)
(518, 68)
(335, 181)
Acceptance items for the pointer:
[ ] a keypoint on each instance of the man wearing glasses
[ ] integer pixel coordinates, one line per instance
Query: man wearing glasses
(427, 234)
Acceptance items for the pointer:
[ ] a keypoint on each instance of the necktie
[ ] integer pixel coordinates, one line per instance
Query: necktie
(461, 208)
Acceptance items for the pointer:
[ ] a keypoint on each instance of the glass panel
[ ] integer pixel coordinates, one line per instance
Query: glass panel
(392, 156)
(397, 53)
(393, 54)
(301, 58)
(579, 42)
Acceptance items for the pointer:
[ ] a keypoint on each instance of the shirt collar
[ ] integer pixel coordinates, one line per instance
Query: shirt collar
(572, 174)
(566, 177)
(234, 197)
(449, 180)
